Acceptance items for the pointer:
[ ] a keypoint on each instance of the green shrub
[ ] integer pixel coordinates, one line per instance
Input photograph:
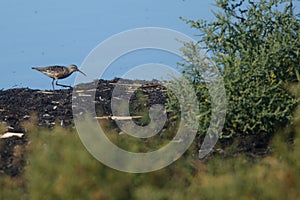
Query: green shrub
(255, 45)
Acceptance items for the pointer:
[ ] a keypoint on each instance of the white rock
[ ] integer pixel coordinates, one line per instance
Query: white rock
(11, 134)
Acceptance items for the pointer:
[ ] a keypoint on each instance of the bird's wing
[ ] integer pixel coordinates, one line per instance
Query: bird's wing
(56, 68)
(52, 71)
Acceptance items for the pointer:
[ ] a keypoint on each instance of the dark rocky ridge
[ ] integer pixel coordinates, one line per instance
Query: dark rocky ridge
(55, 108)
(16, 105)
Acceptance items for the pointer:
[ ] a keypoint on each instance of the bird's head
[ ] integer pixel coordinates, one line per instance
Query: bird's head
(74, 68)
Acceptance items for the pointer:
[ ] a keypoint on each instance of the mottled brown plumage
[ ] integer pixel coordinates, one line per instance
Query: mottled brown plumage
(58, 72)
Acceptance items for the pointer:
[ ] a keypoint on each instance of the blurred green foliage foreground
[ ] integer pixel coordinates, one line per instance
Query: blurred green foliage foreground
(59, 167)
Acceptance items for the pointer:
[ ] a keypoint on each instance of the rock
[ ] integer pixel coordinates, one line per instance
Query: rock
(11, 134)
(17, 105)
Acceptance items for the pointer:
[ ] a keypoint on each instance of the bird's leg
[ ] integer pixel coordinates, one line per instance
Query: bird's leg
(53, 84)
(63, 85)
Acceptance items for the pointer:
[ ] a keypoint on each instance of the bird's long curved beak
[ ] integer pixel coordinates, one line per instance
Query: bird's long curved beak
(81, 72)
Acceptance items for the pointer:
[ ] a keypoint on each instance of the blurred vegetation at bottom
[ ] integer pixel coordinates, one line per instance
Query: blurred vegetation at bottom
(59, 167)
